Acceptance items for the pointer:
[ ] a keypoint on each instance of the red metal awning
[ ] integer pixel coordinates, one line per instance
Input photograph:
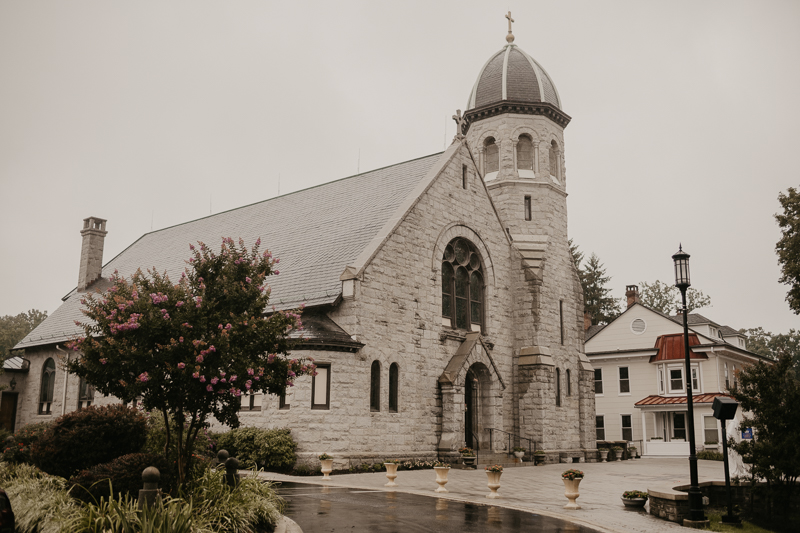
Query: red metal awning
(670, 347)
(668, 400)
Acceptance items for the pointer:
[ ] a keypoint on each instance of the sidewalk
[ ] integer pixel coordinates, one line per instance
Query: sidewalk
(540, 489)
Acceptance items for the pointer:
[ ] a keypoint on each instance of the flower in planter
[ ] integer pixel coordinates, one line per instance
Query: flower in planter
(393, 461)
(467, 452)
(493, 468)
(538, 452)
(572, 474)
(602, 449)
(634, 495)
(617, 448)
(519, 449)
(325, 457)
(440, 464)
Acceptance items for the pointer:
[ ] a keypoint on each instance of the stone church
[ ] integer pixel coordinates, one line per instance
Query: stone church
(443, 308)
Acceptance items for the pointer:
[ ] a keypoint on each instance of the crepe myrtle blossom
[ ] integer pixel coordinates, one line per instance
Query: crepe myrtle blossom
(143, 377)
(181, 365)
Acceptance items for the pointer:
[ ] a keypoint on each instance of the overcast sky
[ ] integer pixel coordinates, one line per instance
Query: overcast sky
(684, 122)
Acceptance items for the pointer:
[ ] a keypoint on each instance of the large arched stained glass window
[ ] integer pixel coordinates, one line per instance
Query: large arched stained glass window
(48, 386)
(462, 286)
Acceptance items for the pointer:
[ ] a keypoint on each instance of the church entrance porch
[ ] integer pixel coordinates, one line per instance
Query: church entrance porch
(476, 387)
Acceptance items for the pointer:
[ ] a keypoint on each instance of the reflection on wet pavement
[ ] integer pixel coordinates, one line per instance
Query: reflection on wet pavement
(318, 509)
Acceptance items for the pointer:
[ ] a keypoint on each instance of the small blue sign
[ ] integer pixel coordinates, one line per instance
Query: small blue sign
(747, 434)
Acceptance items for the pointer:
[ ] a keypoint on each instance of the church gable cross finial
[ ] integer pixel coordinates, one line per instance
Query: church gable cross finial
(461, 125)
(510, 36)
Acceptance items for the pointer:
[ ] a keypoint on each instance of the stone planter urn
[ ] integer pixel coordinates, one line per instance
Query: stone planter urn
(441, 477)
(539, 458)
(572, 480)
(469, 461)
(617, 454)
(327, 466)
(634, 502)
(519, 455)
(493, 481)
(603, 455)
(391, 473)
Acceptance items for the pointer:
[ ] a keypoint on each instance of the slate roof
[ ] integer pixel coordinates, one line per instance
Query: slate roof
(315, 232)
(694, 319)
(593, 330)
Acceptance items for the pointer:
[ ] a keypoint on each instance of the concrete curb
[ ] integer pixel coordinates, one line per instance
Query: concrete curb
(287, 525)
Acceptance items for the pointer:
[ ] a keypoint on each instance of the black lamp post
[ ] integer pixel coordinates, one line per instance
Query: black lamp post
(696, 514)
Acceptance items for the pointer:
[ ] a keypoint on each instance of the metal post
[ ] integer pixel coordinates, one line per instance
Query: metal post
(696, 513)
(730, 518)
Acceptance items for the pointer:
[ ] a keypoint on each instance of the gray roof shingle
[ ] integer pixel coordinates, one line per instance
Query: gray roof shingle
(315, 232)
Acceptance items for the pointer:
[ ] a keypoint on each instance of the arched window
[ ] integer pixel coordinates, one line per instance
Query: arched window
(491, 155)
(462, 286)
(558, 387)
(394, 377)
(524, 153)
(85, 394)
(554, 160)
(48, 385)
(375, 387)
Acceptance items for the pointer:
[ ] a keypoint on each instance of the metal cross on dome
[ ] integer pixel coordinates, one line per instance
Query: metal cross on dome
(510, 36)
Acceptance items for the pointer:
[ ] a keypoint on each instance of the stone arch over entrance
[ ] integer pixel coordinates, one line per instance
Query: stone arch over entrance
(472, 397)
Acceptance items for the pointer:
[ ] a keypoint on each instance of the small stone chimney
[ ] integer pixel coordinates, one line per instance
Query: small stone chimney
(587, 321)
(632, 293)
(94, 235)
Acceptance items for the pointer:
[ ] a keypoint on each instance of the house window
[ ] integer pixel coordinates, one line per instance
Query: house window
(554, 160)
(733, 371)
(524, 153)
(491, 154)
(695, 380)
(676, 380)
(463, 176)
(627, 428)
(679, 426)
(727, 378)
(462, 286)
(600, 427)
(85, 394)
(320, 388)
(558, 386)
(394, 378)
(283, 402)
(47, 386)
(660, 380)
(375, 387)
(710, 428)
(251, 401)
(569, 384)
(624, 381)
(528, 208)
(598, 381)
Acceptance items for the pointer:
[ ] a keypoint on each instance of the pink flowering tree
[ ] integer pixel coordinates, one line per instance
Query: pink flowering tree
(190, 349)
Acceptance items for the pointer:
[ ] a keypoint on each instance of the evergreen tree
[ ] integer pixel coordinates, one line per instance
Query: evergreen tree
(602, 308)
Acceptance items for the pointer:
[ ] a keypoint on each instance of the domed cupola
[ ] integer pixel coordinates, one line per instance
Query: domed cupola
(511, 81)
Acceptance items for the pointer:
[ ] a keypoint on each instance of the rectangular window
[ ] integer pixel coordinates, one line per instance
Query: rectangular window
(251, 401)
(528, 208)
(600, 427)
(569, 383)
(624, 381)
(676, 380)
(733, 371)
(85, 394)
(627, 428)
(660, 380)
(727, 379)
(320, 388)
(558, 387)
(710, 428)
(598, 381)
(283, 402)
(679, 426)
(695, 380)
(561, 318)
(463, 176)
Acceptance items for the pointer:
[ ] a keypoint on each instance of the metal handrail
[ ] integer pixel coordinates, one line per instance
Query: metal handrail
(531, 444)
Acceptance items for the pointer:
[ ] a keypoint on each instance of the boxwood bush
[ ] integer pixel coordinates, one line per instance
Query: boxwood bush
(125, 475)
(270, 449)
(18, 448)
(88, 437)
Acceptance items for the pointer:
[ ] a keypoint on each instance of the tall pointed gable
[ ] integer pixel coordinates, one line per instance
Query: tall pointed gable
(316, 233)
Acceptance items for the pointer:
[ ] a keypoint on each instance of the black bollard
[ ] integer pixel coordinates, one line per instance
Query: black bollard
(150, 494)
(232, 472)
(222, 456)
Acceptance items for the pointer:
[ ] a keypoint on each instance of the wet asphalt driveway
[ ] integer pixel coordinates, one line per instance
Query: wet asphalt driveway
(322, 509)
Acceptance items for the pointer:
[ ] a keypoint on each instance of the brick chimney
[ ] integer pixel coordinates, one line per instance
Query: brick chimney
(94, 234)
(632, 293)
(587, 321)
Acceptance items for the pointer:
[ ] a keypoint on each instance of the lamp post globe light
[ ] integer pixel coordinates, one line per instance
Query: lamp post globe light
(682, 281)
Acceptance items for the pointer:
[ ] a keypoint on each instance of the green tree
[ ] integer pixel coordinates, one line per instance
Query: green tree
(602, 308)
(192, 348)
(769, 397)
(666, 299)
(788, 247)
(774, 346)
(14, 328)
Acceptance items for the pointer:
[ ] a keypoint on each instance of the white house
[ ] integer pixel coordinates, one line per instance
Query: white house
(639, 364)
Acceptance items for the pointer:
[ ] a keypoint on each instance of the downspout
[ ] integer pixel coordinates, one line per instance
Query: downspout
(66, 380)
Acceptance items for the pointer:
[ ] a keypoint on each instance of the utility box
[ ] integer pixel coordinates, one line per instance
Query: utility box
(724, 408)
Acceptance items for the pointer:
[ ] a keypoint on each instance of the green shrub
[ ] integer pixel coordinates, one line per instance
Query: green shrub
(271, 449)
(122, 514)
(18, 449)
(88, 437)
(125, 474)
(710, 455)
(156, 440)
(40, 501)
